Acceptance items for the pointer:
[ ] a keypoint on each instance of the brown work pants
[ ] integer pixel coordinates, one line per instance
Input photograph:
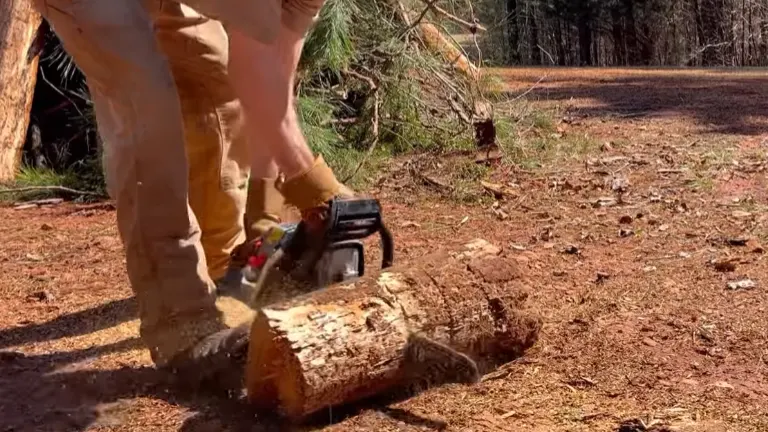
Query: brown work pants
(175, 154)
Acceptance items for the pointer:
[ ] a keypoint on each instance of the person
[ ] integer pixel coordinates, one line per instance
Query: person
(194, 103)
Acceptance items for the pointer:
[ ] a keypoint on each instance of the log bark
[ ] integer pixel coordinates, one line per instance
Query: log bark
(19, 24)
(434, 40)
(345, 343)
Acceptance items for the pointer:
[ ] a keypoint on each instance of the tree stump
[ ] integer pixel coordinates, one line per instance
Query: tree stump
(345, 343)
(19, 24)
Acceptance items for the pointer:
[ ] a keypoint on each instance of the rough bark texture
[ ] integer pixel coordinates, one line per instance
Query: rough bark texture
(435, 40)
(19, 23)
(345, 343)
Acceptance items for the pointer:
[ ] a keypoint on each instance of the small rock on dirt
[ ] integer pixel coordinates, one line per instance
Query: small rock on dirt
(650, 342)
(497, 190)
(637, 425)
(738, 241)
(740, 214)
(46, 227)
(625, 220)
(602, 277)
(546, 234)
(742, 284)
(571, 250)
(723, 385)
(42, 296)
(619, 184)
(725, 265)
(605, 202)
(33, 257)
(624, 232)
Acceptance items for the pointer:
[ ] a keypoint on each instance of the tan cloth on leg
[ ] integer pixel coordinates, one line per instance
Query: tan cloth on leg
(139, 114)
(264, 208)
(197, 49)
(261, 19)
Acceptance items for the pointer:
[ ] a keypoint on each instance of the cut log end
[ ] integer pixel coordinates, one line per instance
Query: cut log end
(347, 342)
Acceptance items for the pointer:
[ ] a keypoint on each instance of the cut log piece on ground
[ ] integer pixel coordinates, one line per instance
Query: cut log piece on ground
(19, 49)
(346, 343)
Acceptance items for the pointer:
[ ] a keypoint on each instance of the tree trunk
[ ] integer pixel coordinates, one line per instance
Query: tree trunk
(764, 37)
(513, 33)
(19, 23)
(534, 37)
(744, 30)
(561, 56)
(585, 40)
(345, 343)
(617, 29)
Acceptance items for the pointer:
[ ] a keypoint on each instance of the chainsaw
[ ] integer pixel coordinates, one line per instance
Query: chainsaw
(294, 253)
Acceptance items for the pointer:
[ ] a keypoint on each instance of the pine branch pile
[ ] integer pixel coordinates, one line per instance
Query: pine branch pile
(385, 77)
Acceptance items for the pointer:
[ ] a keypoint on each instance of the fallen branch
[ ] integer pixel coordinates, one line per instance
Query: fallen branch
(434, 40)
(421, 16)
(50, 189)
(470, 26)
(374, 122)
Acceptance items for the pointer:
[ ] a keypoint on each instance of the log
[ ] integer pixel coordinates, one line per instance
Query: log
(19, 49)
(437, 42)
(345, 343)
(434, 40)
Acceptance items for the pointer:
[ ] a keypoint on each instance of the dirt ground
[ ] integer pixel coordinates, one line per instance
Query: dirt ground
(629, 247)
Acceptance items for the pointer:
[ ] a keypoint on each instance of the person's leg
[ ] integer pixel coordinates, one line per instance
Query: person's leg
(216, 146)
(197, 49)
(138, 111)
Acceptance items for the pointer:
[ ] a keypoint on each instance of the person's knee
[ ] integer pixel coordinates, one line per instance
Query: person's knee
(299, 15)
(259, 20)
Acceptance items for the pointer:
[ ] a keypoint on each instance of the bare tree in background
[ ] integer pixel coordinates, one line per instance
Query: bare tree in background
(628, 32)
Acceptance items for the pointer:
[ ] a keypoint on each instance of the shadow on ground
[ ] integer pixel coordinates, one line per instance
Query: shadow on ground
(721, 102)
(40, 393)
(75, 324)
(61, 391)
